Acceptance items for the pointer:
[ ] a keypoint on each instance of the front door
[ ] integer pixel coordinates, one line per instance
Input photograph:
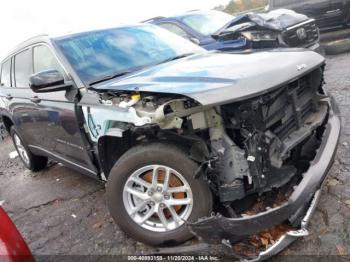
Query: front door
(63, 136)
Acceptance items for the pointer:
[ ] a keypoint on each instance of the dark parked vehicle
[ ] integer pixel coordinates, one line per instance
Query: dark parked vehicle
(176, 131)
(215, 30)
(328, 13)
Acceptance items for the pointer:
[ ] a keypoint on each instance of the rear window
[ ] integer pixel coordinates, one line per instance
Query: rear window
(5, 79)
(23, 68)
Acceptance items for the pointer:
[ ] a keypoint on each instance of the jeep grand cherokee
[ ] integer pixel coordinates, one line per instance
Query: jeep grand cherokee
(187, 140)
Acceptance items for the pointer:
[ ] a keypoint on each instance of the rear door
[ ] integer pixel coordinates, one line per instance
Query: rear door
(24, 112)
(5, 86)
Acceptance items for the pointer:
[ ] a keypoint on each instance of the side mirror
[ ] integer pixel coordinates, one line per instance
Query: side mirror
(48, 81)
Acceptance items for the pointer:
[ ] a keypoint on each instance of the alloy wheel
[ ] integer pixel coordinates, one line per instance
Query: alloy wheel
(21, 149)
(158, 198)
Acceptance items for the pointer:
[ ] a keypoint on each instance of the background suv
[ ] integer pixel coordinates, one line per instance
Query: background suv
(215, 30)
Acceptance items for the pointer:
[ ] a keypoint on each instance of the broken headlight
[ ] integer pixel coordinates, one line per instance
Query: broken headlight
(260, 35)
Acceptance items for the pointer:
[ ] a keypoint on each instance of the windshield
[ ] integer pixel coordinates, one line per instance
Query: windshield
(207, 23)
(100, 54)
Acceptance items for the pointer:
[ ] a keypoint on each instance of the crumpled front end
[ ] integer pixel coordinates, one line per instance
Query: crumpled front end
(278, 28)
(280, 148)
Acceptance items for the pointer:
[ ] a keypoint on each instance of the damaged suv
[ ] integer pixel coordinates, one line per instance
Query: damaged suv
(187, 140)
(215, 30)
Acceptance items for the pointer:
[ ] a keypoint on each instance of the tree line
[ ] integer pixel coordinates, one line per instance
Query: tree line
(236, 6)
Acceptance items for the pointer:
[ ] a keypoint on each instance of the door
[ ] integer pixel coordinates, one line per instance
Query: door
(322, 11)
(23, 111)
(5, 86)
(63, 137)
(339, 12)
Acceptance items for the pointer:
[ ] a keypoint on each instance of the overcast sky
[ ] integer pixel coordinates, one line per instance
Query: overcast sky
(21, 19)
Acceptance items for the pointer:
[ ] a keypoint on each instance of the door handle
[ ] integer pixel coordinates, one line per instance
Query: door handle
(9, 97)
(333, 11)
(35, 100)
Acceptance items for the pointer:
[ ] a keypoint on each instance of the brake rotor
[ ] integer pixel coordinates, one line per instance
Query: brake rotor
(173, 182)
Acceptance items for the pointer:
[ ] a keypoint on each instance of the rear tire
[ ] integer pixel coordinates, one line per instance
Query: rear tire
(3, 132)
(143, 162)
(32, 162)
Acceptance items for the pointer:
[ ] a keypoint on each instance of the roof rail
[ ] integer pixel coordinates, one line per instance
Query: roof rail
(32, 37)
(153, 19)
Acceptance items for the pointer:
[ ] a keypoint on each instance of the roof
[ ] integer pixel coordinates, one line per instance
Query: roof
(28, 42)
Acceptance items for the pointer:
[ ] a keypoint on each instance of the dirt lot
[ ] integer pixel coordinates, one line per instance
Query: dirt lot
(62, 212)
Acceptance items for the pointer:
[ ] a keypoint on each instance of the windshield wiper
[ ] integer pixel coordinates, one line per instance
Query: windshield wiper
(109, 77)
(118, 74)
(175, 58)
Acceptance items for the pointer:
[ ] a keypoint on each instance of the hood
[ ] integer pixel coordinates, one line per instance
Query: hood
(279, 20)
(218, 78)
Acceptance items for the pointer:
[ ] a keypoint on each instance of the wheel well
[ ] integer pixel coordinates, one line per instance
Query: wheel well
(7, 123)
(110, 148)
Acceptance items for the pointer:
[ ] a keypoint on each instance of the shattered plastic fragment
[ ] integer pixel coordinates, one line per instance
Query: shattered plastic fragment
(251, 158)
(13, 155)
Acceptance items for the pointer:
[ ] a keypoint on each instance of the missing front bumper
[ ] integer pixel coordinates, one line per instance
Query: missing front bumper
(299, 207)
(216, 229)
(290, 236)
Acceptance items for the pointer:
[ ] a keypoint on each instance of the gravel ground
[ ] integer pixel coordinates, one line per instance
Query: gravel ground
(61, 212)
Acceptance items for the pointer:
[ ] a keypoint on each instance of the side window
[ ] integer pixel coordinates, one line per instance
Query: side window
(174, 29)
(45, 60)
(23, 68)
(5, 79)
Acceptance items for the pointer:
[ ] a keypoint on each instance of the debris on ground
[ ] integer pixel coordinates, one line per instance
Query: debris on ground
(341, 250)
(267, 201)
(258, 243)
(13, 155)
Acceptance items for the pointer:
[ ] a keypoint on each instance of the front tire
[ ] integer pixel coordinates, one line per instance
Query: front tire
(32, 162)
(151, 194)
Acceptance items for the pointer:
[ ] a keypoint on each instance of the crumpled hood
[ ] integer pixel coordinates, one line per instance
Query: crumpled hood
(278, 19)
(218, 78)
